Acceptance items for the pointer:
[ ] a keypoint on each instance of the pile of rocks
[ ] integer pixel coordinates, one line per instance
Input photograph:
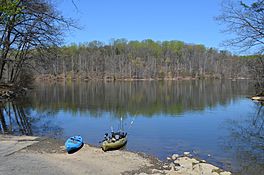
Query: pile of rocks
(186, 165)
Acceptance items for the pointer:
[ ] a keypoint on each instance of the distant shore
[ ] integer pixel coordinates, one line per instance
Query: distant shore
(49, 77)
(34, 155)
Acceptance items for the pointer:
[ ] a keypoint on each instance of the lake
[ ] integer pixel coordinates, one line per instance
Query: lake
(212, 119)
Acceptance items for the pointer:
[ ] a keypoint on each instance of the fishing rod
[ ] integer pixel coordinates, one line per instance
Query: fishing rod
(131, 123)
(121, 126)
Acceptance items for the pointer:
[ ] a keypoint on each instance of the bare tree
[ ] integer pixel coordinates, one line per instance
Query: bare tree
(27, 27)
(247, 23)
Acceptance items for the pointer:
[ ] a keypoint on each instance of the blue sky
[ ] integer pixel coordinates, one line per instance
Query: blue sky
(191, 21)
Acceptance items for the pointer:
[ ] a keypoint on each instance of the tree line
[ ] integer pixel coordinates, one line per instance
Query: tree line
(147, 59)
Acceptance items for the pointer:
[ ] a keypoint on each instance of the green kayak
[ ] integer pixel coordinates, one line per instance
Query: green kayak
(112, 145)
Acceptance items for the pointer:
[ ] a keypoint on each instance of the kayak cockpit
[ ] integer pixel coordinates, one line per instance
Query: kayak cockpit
(114, 141)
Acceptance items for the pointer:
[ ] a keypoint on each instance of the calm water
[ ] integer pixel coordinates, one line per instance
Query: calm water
(204, 117)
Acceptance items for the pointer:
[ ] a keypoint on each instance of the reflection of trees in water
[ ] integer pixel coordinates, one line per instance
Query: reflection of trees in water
(147, 98)
(246, 142)
(17, 118)
(13, 119)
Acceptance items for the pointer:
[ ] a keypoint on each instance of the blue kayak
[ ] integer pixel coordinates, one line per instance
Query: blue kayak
(73, 143)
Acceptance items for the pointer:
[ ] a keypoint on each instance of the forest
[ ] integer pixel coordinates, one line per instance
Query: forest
(122, 59)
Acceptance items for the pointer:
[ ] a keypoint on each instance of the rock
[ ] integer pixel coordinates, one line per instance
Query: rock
(204, 168)
(177, 168)
(184, 162)
(172, 166)
(186, 153)
(225, 173)
(176, 163)
(215, 173)
(168, 158)
(194, 161)
(202, 161)
(174, 156)
(191, 166)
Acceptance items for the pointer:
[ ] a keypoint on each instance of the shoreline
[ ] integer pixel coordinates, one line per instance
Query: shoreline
(9, 92)
(62, 78)
(36, 155)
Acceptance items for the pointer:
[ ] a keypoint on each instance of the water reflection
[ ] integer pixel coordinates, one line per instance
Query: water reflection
(14, 118)
(133, 98)
(17, 117)
(246, 142)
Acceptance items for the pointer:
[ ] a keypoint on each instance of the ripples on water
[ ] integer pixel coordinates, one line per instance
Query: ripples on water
(204, 117)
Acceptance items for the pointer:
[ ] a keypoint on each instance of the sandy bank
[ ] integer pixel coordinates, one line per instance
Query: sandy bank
(33, 155)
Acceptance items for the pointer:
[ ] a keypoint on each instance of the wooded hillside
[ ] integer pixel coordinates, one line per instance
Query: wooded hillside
(147, 59)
